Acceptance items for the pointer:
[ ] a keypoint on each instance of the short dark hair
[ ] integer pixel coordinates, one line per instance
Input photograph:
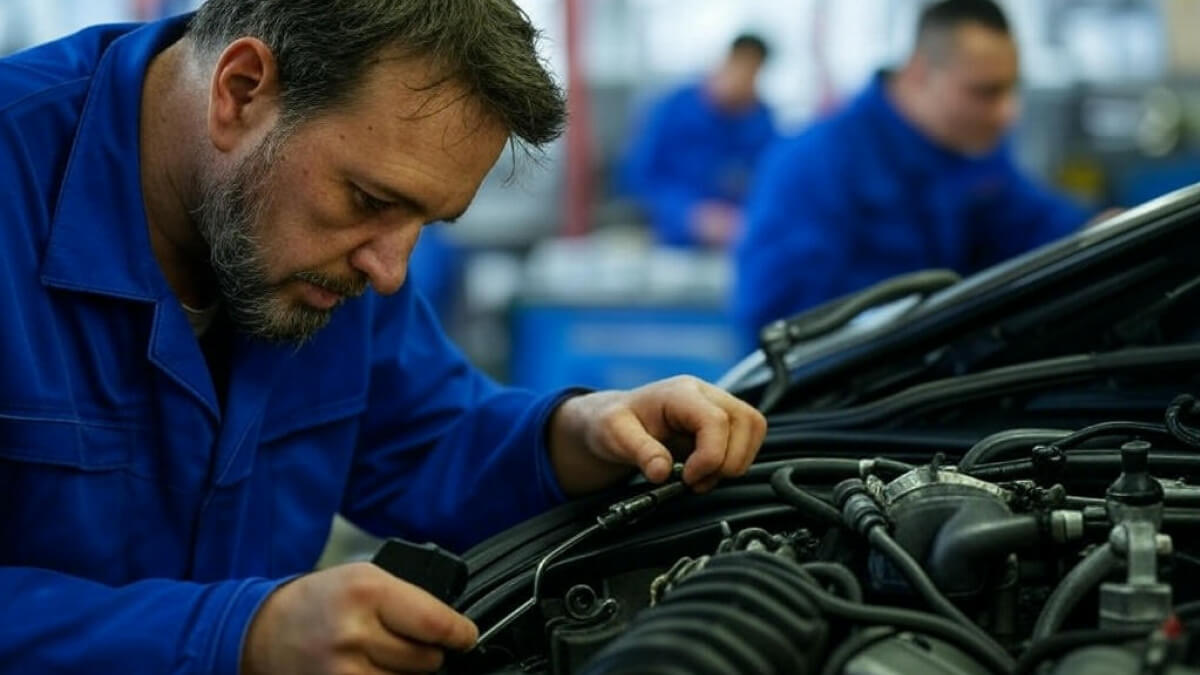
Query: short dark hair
(752, 42)
(324, 48)
(941, 18)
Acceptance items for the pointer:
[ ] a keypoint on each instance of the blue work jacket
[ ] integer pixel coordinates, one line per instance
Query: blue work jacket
(141, 523)
(687, 151)
(863, 196)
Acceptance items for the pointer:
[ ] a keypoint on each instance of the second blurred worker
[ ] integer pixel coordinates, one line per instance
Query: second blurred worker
(913, 174)
(689, 165)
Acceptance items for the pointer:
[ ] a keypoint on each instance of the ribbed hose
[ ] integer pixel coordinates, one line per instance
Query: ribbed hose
(836, 573)
(737, 615)
(756, 599)
(1082, 578)
(1184, 406)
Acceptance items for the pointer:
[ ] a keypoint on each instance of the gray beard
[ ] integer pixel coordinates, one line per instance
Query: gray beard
(225, 217)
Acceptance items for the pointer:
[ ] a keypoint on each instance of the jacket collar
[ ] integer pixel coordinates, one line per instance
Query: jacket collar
(99, 241)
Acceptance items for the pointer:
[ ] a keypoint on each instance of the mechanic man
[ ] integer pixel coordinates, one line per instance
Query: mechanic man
(915, 173)
(209, 349)
(689, 165)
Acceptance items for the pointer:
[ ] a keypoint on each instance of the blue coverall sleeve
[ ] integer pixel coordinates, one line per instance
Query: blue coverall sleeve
(647, 176)
(1024, 215)
(794, 250)
(54, 623)
(446, 454)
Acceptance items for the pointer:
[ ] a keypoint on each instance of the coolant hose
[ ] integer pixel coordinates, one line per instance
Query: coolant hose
(1082, 578)
(966, 546)
(803, 500)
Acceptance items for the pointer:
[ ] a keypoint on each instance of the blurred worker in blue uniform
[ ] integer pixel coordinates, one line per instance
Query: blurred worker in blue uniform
(690, 163)
(914, 173)
(209, 348)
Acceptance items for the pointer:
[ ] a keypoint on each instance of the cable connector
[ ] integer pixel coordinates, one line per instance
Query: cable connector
(1049, 461)
(859, 511)
(627, 510)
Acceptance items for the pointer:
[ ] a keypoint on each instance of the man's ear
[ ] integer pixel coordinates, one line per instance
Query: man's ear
(243, 99)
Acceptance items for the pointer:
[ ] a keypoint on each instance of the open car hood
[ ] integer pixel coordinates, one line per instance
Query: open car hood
(1128, 284)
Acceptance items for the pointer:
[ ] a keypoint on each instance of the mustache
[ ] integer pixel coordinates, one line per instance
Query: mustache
(349, 288)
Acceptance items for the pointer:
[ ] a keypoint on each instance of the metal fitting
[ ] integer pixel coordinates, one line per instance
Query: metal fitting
(1066, 525)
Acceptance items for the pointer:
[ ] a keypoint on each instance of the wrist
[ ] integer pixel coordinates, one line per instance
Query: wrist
(231, 646)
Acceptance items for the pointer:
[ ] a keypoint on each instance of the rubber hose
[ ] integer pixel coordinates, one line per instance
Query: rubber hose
(919, 580)
(978, 644)
(1082, 578)
(1112, 428)
(999, 444)
(1086, 463)
(986, 650)
(804, 501)
(1056, 644)
(960, 547)
(1184, 404)
(837, 573)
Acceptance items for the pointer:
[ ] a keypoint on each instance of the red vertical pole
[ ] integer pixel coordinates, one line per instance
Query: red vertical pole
(145, 10)
(577, 208)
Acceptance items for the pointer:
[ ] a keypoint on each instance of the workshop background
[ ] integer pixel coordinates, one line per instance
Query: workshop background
(552, 278)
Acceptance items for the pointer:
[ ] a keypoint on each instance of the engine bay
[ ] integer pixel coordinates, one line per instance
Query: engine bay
(998, 474)
(1035, 550)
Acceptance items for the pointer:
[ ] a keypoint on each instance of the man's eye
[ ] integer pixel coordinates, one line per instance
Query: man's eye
(369, 203)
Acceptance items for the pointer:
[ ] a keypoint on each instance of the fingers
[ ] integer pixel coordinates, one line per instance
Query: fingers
(631, 440)
(722, 433)
(711, 426)
(392, 654)
(747, 428)
(728, 433)
(409, 612)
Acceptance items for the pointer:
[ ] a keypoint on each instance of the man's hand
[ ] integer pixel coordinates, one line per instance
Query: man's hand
(353, 618)
(716, 224)
(594, 439)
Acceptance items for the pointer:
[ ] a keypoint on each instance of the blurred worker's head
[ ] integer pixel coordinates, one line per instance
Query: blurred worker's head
(335, 130)
(734, 85)
(962, 76)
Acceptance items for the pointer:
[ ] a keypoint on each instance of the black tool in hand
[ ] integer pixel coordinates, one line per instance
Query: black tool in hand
(438, 571)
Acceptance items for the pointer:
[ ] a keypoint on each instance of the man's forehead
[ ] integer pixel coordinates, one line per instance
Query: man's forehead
(399, 87)
(972, 39)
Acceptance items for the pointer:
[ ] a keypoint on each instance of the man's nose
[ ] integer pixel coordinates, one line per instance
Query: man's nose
(384, 257)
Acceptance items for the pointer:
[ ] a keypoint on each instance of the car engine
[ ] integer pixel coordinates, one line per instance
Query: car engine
(1035, 550)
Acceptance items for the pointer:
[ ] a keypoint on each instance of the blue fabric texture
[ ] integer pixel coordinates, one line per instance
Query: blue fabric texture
(143, 523)
(862, 196)
(687, 151)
